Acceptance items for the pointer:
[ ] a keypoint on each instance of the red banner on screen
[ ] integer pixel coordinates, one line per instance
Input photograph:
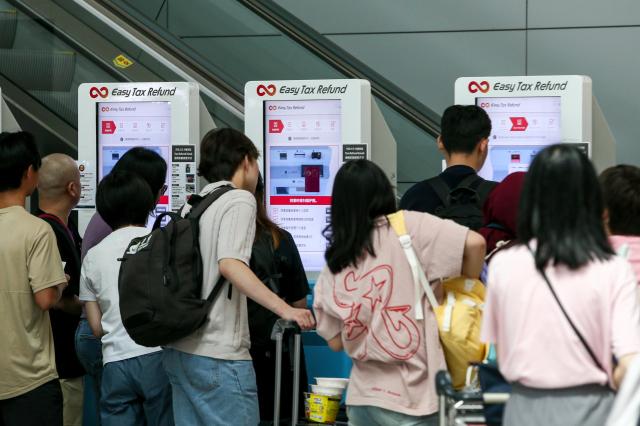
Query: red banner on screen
(108, 127)
(304, 200)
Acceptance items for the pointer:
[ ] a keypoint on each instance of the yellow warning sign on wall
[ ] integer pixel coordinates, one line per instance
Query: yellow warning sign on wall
(122, 61)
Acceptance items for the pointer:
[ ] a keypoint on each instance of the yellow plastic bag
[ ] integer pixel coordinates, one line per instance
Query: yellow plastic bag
(459, 322)
(459, 317)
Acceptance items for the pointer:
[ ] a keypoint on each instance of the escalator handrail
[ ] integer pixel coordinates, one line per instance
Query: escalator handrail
(165, 53)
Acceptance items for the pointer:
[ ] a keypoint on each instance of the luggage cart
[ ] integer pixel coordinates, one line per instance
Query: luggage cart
(277, 334)
(280, 329)
(463, 408)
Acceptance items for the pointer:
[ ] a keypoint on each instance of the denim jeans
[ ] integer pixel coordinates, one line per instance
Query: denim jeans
(89, 352)
(365, 415)
(136, 391)
(209, 391)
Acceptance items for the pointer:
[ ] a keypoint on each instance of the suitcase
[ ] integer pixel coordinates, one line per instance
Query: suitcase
(278, 333)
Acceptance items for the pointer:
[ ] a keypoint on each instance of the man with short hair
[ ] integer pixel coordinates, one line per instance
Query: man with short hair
(58, 193)
(31, 283)
(464, 142)
(210, 371)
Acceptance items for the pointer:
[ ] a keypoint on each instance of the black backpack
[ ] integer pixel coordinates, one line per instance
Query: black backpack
(161, 277)
(463, 203)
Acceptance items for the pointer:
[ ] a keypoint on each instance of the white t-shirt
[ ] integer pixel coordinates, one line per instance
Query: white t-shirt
(99, 283)
(227, 230)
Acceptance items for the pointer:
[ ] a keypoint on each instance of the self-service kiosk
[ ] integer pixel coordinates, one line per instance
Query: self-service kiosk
(530, 112)
(168, 118)
(305, 130)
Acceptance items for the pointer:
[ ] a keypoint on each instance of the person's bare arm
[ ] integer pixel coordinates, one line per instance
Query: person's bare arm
(241, 276)
(300, 304)
(335, 343)
(94, 317)
(621, 369)
(48, 297)
(473, 257)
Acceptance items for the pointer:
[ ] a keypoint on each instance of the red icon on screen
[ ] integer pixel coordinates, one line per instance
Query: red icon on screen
(483, 86)
(108, 127)
(519, 124)
(103, 92)
(266, 90)
(276, 126)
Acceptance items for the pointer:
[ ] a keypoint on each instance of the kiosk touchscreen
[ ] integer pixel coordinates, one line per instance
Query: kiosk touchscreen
(115, 117)
(305, 131)
(124, 125)
(527, 114)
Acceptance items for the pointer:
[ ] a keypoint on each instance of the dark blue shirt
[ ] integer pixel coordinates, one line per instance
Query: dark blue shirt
(422, 198)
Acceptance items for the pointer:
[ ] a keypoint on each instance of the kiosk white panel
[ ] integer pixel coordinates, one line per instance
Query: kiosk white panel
(115, 117)
(305, 131)
(527, 114)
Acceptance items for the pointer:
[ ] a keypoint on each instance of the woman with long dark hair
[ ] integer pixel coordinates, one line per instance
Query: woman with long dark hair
(276, 261)
(365, 301)
(560, 306)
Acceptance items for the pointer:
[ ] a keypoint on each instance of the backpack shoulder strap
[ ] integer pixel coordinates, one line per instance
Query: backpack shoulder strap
(200, 204)
(470, 182)
(441, 189)
(421, 283)
(484, 189)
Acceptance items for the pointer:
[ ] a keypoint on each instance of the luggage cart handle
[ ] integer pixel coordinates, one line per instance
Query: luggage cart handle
(283, 325)
(277, 334)
(445, 388)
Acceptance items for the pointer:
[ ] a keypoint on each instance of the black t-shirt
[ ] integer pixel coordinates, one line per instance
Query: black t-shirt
(280, 268)
(422, 198)
(64, 325)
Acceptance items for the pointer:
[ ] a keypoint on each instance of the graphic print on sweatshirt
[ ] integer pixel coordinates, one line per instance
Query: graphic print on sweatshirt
(374, 328)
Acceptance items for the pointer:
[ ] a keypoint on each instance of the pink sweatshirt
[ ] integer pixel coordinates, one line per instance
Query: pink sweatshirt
(629, 248)
(535, 343)
(395, 357)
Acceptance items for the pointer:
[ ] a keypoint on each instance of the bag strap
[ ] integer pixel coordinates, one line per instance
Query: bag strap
(484, 189)
(215, 291)
(396, 220)
(56, 219)
(573, 326)
(441, 189)
(200, 204)
(470, 182)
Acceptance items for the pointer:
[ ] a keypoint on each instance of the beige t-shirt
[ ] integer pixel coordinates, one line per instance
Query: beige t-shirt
(227, 230)
(395, 357)
(29, 262)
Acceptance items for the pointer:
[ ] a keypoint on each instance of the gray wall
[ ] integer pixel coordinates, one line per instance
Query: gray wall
(424, 46)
